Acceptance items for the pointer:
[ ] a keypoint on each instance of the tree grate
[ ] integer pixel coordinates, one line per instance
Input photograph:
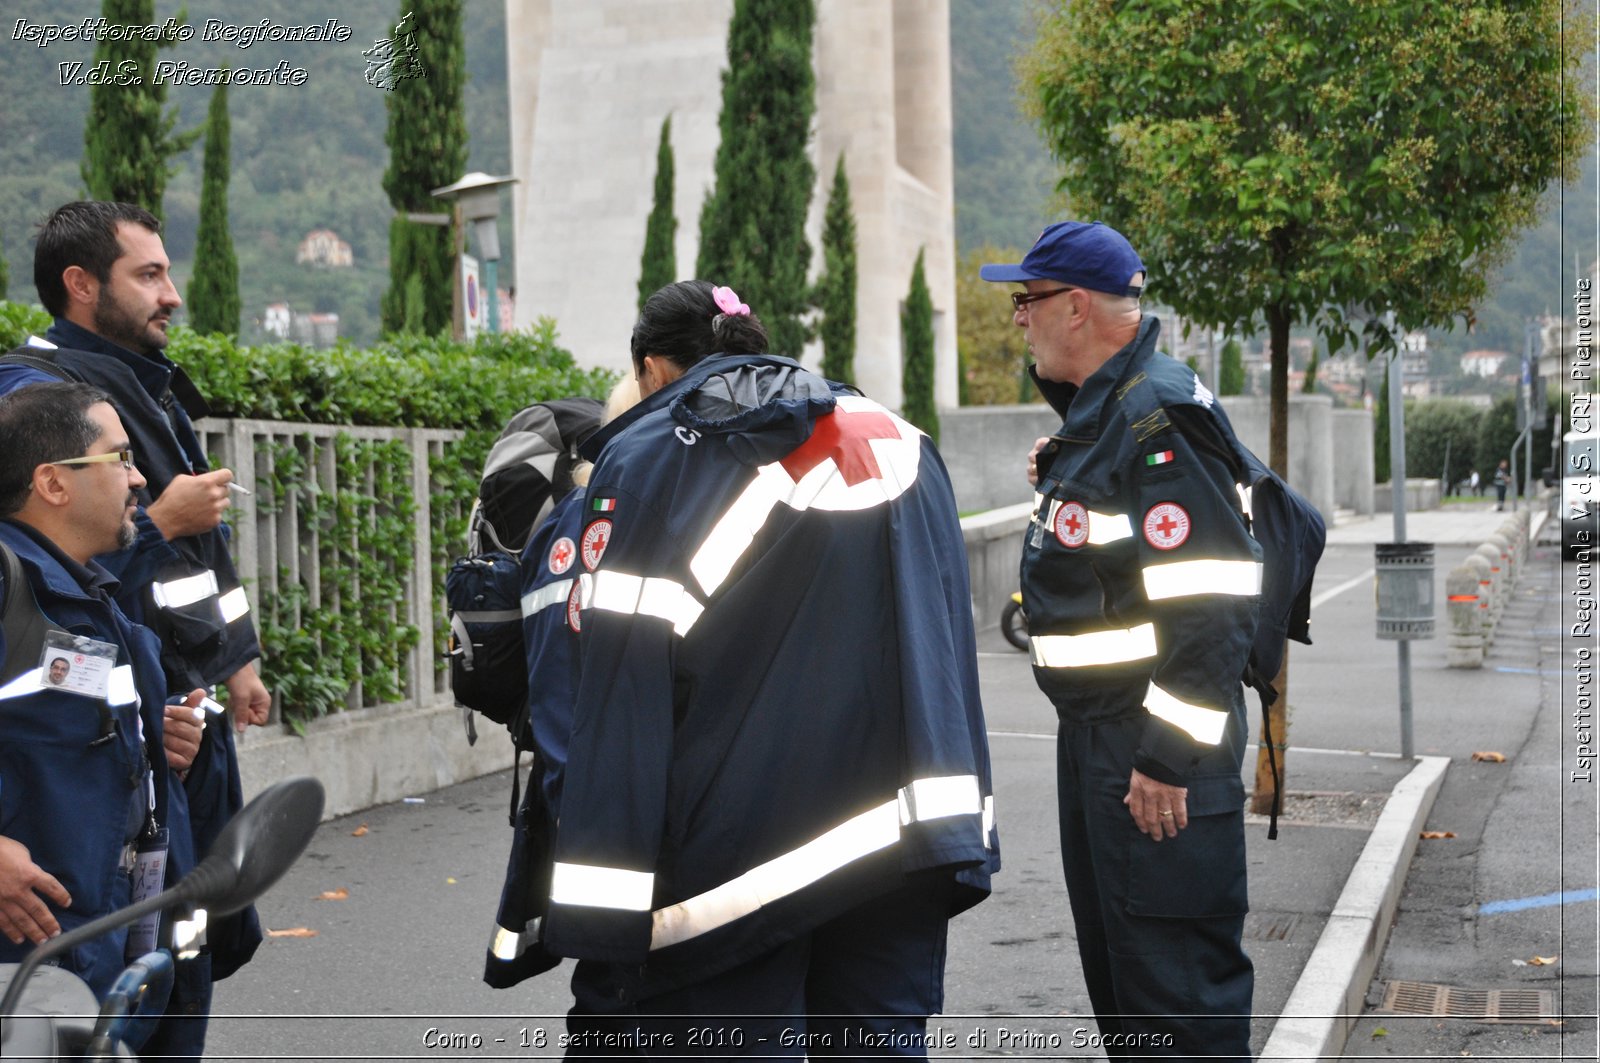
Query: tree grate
(1488, 1005)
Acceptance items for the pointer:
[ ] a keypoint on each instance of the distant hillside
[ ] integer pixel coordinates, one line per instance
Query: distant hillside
(312, 156)
(304, 157)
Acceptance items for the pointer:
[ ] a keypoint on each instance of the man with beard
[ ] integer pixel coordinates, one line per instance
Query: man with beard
(83, 806)
(101, 270)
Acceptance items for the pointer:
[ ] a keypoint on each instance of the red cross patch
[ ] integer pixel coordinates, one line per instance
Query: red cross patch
(1072, 525)
(1166, 526)
(562, 553)
(595, 538)
(573, 607)
(842, 435)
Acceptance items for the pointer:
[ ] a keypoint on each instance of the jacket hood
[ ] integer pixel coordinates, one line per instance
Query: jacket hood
(763, 406)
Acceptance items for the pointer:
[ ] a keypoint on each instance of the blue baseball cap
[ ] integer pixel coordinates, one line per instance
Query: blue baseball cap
(1084, 254)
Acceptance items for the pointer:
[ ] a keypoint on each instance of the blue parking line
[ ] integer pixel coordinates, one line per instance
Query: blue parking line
(1528, 671)
(1545, 901)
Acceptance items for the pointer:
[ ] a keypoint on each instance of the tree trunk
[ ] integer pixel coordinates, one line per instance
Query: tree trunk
(1279, 317)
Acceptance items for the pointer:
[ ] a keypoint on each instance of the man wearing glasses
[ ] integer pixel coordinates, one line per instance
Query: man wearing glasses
(81, 804)
(1141, 586)
(101, 270)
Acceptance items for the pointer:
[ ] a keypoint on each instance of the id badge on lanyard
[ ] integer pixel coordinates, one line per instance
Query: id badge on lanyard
(149, 876)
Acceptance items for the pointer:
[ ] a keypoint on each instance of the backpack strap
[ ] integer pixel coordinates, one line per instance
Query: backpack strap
(43, 359)
(25, 626)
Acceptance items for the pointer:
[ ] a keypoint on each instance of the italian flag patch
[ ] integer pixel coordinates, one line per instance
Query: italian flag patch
(1158, 459)
(603, 505)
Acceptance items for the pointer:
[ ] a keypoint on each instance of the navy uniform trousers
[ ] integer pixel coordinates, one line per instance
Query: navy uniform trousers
(1158, 923)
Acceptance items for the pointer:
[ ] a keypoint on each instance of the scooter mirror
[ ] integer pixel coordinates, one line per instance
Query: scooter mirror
(257, 847)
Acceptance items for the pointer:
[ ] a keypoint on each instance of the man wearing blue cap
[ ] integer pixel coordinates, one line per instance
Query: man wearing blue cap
(1141, 583)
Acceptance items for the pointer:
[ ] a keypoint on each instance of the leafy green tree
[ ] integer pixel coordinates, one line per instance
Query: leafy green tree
(128, 137)
(916, 345)
(836, 289)
(659, 264)
(1230, 371)
(996, 353)
(1498, 432)
(427, 139)
(1439, 428)
(1301, 162)
(1295, 162)
(752, 225)
(213, 295)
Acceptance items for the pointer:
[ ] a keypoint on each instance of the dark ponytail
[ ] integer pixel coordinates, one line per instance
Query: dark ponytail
(683, 324)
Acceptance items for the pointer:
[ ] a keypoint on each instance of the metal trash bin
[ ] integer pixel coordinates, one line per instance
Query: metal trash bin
(1404, 587)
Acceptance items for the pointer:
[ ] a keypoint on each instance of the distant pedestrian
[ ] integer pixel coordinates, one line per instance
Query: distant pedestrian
(1502, 480)
(1475, 484)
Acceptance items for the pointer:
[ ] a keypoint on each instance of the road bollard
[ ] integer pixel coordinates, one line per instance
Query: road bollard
(1465, 649)
(1503, 577)
(1488, 587)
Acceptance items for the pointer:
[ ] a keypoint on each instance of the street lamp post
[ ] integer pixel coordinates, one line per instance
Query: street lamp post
(477, 196)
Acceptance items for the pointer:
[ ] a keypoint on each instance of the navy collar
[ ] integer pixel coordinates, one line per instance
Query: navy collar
(1080, 407)
(154, 370)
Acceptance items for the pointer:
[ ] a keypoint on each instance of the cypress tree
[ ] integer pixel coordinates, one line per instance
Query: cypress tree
(836, 290)
(752, 225)
(916, 345)
(659, 265)
(427, 139)
(1309, 384)
(4, 275)
(1230, 373)
(213, 295)
(127, 139)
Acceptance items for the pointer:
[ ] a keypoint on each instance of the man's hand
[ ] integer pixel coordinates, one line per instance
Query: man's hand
(1033, 459)
(23, 916)
(248, 698)
(181, 730)
(1158, 810)
(191, 505)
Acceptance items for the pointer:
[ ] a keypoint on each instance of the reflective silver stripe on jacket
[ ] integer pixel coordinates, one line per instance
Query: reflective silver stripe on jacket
(589, 886)
(546, 596)
(233, 605)
(821, 487)
(1201, 723)
(1113, 646)
(177, 593)
(1181, 579)
(1103, 527)
(857, 837)
(620, 592)
(120, 688)
(507, 945)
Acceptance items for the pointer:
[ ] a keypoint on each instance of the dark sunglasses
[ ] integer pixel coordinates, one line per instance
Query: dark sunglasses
(1022, 299)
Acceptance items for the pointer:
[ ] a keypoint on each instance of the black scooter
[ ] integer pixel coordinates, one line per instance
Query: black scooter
(57, 1017)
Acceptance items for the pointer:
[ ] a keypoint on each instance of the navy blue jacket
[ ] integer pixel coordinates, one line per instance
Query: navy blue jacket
(1139, 577)
(778, 714)
(74, 804)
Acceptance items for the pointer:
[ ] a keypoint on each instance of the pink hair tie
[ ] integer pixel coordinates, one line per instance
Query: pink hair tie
(729, 303)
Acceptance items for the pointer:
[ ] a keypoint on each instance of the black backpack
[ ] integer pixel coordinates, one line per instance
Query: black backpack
(24, 624)
(528, 471)
(1289, 529)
